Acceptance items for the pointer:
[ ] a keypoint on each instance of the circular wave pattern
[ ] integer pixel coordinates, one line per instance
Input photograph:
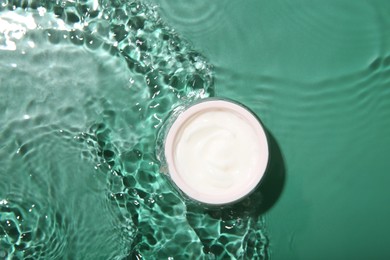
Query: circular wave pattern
(91, 84)
(198, 17)
(329, 69)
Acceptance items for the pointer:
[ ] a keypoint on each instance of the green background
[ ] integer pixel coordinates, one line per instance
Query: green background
(318, 75)
(79, 177)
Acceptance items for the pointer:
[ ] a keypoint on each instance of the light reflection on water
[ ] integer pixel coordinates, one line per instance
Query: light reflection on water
(84, 87)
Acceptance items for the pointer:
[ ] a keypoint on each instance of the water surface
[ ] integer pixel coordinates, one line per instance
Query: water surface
(84, 88)
(317, 73)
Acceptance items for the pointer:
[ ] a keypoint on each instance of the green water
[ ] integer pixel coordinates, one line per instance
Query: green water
(83, 93)
(318, 75)
(84, 88)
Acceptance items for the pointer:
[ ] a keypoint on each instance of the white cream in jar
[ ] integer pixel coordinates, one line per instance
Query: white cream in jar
(216, 151)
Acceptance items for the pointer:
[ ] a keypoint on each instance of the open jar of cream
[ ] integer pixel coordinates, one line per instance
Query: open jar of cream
(216, 151)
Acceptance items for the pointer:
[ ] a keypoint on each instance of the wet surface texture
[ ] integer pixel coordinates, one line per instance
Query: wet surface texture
(84, 87)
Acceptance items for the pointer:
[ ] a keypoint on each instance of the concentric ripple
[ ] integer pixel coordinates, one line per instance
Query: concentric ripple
(198, 17)
(85, 85)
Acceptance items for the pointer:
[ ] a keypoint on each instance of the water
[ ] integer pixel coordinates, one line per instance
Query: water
(84, 88)
(317, 74)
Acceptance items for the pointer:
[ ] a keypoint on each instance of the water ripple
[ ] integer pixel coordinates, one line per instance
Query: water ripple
(30, 228)
(198, 16)
(91, 82)
(316, 107)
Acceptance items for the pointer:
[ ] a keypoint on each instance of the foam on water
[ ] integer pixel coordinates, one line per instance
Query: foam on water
(85, 85)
